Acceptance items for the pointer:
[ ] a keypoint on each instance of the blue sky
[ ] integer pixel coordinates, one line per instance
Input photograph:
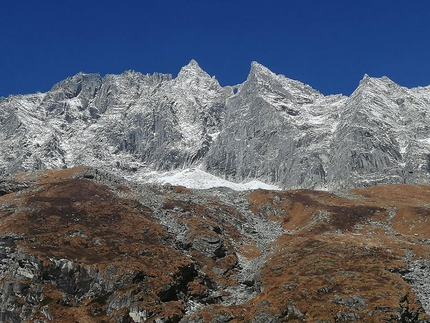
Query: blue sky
(327, 44)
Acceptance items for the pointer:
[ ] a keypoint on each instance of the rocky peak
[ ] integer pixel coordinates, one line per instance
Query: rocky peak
(258, 69)
(262, 80)
(72, 86)
(193, 79)
(192, 69)
(380, 85)
(260, 75)
(192, 65)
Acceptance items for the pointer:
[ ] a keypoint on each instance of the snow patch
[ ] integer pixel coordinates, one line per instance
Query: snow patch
(198, 179)
(425, 141)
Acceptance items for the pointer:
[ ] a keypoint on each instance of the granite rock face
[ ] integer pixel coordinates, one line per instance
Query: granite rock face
(277, 130)
(270, 128)
(128, 121)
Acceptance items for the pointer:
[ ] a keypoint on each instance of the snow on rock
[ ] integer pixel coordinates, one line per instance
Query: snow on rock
(269, 128)
(198, 179)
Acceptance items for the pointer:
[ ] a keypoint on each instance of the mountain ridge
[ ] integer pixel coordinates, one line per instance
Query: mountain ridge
(269, 128)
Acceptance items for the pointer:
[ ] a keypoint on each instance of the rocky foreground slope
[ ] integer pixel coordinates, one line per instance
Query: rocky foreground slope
(81, 245)
(270, 128)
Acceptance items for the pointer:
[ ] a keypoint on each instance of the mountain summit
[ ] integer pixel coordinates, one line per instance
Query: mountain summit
(269, 128)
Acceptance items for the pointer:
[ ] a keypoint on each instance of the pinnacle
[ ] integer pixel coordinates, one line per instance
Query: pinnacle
(259, 69)
(193, 63)
(192, 68)
(368, 80)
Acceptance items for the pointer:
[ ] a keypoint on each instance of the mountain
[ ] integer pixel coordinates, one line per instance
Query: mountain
(93, 230)
(83, 245)
(270, 128)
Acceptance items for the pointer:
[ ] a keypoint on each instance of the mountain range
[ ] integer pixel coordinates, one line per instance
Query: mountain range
(269, 128)
(273, 212)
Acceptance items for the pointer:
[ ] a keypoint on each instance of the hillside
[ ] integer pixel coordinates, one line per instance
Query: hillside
(81, 245)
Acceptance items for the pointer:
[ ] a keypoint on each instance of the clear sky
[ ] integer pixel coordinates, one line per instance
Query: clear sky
(327, 44)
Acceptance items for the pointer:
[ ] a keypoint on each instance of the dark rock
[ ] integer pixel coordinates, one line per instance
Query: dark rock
(210, 246)
(222, 317)
(177, 290)
(354, 302)
(264, 317)
(197, 319)
(346, 317)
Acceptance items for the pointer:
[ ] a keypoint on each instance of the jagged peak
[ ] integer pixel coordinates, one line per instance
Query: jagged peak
(192, 73)
(259, 69)
(383, 81)
(192, 68)
(78, 78)
(364, 82)
(293, 87)
(193, 63)
(378, 85)
(131, 72)
(82, 75)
